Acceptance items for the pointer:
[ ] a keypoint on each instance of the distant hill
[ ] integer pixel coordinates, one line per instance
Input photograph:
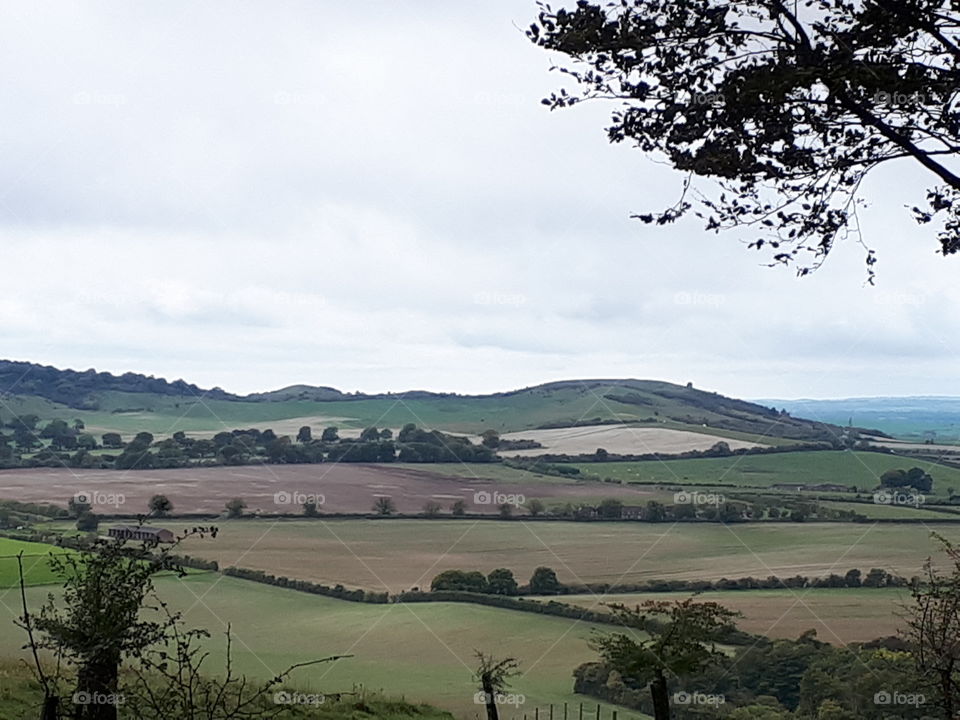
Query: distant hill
(80, 389)
(930, 417)
(131, 402)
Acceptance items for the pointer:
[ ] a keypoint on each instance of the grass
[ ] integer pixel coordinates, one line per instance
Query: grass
(853, 469)
(37, 570)
(20, 697)
(400, 554)
(838, 615)
(422, 652)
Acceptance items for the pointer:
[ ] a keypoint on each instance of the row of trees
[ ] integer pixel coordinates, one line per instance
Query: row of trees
(68, 446)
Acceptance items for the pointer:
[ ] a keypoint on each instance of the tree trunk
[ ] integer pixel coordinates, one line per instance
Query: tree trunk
(51, 708)
(490, 695)
(661, 701)
(97, 691)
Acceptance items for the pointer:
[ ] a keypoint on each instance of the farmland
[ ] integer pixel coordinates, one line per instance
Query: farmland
(624, 439)
(838, 615)
(35, 563)
(400, 554)
(842, 467)
(344, 487)
(421, 652)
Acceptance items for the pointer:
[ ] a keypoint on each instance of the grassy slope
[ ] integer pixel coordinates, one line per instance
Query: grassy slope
(860, 469)
(20, 696)
(421, 652)
(564, 403)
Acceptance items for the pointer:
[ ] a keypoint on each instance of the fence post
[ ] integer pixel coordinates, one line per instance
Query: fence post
(598, 711)
(564, 711)
(536, 714)
(614, 715)
(551, 711)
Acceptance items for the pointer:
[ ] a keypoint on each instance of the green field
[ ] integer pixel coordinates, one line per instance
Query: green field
(850, 468)
(35, 563)
(420, 651)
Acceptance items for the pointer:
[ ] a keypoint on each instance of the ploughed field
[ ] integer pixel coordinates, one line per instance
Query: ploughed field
(342, 487)
(400, 554)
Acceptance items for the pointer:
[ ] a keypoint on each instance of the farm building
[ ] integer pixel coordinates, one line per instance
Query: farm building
(132, 532)
(631, 512)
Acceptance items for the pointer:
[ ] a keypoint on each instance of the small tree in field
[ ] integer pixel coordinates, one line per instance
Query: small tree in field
(535, 507)
(458, 509)
(493, 676)
(431, 509)
(160, 506)
(384, 506)
(235, 507)
(679, 638)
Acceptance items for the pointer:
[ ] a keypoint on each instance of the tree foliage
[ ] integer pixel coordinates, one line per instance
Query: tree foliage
(778, 110)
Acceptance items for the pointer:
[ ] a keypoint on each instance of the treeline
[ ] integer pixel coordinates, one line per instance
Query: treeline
(544, 582)
(781, 680)
(70, 446)
(78, 389)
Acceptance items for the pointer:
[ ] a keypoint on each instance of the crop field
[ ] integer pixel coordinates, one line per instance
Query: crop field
(851, 468)
(343, 487)
(401, 554)
(839, 616)
(419, 651)
(624, 439)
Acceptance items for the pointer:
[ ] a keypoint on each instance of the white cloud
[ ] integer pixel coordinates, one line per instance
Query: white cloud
(371, 196)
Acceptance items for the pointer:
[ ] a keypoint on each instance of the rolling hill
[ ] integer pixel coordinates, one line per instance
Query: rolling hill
(130, 402)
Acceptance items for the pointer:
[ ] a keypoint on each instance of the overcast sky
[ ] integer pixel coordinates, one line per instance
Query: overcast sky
(370, 196)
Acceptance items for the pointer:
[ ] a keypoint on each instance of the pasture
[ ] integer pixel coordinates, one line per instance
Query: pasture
(418, 651)
(36, 568)
(400, 554)
(842, 467)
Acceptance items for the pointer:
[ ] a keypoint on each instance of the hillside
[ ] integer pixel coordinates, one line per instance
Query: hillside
(130, 402)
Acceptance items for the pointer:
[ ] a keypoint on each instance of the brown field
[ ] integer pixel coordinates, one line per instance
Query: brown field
(618, 439)
(346, 488)
(400, 554)
(838, 615)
